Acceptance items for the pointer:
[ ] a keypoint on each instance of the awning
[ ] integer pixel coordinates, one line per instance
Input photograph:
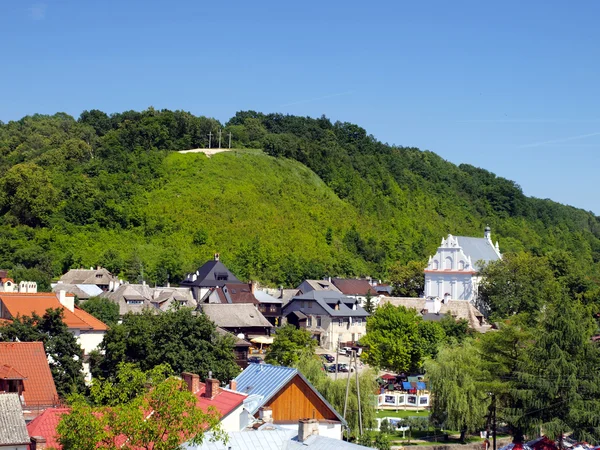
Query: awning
(387, 376)
(406, 385)
(262, 340)
(421, 386)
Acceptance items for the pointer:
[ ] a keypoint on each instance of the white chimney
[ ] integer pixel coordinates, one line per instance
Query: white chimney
(433, 305)
(447, 298)
(68, 301)
(265, 414)
(306, 428)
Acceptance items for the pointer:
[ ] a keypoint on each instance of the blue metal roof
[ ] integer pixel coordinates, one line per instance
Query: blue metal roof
(261, 382)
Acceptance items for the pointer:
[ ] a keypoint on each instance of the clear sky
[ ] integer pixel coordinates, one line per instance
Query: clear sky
(510, 86)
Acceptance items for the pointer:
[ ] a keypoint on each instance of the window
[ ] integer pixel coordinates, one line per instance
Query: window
(448, 263)
(341, 322)
(461, 265)
(309, 321)
(273, 308)
(318, 321)
(134, 302)
(310, 304)
(303, 304)
(436, 265)
(358, 322)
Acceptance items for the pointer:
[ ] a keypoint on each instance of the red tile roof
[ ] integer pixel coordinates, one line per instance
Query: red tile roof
(29, 359)
(27, 304)
(10, 373)
(45, 425)
(239, 293)
(350, 286)
(225, 401)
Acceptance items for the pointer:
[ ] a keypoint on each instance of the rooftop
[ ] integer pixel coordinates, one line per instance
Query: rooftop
(328, 301)
(99, 276)
(29, 359)
(212, 273)
(235, 315)
(13, 430)
(45, 425)
(478, 249)
(350, 286)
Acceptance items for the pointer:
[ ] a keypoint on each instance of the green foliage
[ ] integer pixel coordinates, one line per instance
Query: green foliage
(369, 304)
(64, 353)
(408, 280)
(179, 338)
(290, 345)
(398, 339)
(150, 411)
(322, 199)
(102, 309)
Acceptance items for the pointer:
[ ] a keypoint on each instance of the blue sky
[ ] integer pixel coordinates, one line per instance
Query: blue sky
(510, 86)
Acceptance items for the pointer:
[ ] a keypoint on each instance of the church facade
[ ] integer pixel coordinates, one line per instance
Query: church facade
(453, 272)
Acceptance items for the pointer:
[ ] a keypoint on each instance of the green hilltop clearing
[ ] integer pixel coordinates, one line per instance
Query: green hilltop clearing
(297, 198)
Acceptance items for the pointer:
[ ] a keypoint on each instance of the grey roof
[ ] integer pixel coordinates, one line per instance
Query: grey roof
(82, 291)
(264, 381)
(325, 298)
(321, 285)
(235, 315)
(238, 342)
(478, 249)
(99, 276)
(273, 439)
(263, 297)
(154, 298)
(206, 276)
(13, 430)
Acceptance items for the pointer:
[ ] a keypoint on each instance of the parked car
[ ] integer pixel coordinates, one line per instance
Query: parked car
(328, 358)
(331, 368)
(255, 359)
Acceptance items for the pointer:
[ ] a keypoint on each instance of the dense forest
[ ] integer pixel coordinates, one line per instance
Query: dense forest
(298, 197)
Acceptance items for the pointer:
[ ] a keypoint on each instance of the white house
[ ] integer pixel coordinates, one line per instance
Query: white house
(453, 272)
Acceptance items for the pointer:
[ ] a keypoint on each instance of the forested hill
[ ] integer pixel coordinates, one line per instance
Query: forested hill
(301, 197)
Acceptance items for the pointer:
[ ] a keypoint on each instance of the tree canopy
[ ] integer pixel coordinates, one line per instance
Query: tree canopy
(290, 345)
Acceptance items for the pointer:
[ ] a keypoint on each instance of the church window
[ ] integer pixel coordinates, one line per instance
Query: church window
(448, 263)
(461, 265)
(436, 265)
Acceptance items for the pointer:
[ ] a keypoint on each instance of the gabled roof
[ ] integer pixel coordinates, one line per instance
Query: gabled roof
(212, 273)
(265, 381)
(99, 276)
(349, 286)
(235, 315)
(82, 291)
(45, 425)
(238, 293)
(263, 297)
(478, 249)
(135, 292)
(27, 304)
(10, 373)
(29, 359)
(321, 285)
(13, 430)
(327, 298)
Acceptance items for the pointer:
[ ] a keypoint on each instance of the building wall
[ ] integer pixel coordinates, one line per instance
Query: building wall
(330, 430)
(89, 340)
(297, 401)
(235, 421)
(460, 286)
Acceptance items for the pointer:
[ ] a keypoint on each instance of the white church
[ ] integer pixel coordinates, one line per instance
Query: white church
(452, 273)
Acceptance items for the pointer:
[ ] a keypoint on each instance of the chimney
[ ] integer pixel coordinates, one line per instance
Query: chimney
(233, 385)
(68, 301)
(212, 388)
(265, 414)
(192, 380)
(306, 428)
(217, 256)
(251, 286)
(447, 298)
(38, 443)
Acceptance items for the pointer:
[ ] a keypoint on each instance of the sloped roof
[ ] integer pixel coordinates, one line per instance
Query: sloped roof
(10, 373)
(225, 402)
(235, 315)
(238, 293)
(272, 438)
(265, 381)
(19, 304)
(100, 276)
(29, 359)
(45, 425)
(13, 430)
(285, 295)
(82, 291)
(139, 292)
(263, 297)
(459, 309)
(349, 286)
(322, 285)
(325, 298)
(238, 342)
(478, 249)
(206, 276)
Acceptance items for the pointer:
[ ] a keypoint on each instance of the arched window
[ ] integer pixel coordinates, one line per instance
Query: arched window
(436, 265)
(461, 265)
(448, 263)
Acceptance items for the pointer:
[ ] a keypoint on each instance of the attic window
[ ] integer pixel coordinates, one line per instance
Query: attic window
(134, 302)
(98, 275)
(221, 276)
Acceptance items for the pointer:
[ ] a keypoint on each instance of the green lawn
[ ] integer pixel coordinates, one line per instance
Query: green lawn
(402, 414)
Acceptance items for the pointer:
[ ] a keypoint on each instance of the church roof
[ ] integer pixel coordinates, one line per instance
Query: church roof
(478, 249)
(211, 274)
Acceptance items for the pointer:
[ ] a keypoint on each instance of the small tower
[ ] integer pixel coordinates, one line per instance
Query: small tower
(487, 233)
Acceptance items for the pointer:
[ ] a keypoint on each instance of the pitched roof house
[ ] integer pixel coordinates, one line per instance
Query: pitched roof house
(99, 276)
(330, 316)
(13, 431)
(453, 272)
(212, 274)
(285, 396)
(242, 318)
(25, 371)
(43, 427)
(317, 285)
(136, 298)
(7, 284)
(354, 286)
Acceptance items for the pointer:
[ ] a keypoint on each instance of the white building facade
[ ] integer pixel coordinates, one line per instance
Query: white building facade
(453, 272)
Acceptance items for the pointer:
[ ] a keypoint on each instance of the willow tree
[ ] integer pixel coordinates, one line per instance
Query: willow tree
(457, 382)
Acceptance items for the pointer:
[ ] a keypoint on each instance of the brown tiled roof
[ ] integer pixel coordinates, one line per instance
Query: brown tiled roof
(10, 373)
(239, 293)
(27, 304)
(29, 359)
(349, 286)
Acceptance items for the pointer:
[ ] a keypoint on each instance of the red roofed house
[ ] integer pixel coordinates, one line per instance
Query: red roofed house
(42, 429)
(24, 370)
(229, 404)
(88, 330)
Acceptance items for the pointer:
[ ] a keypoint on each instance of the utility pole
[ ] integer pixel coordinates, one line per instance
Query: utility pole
(360, 426)
(230, 139)
(337, 356)
(494, 419)
(219, 138)
(347, 391)
(209, 138)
